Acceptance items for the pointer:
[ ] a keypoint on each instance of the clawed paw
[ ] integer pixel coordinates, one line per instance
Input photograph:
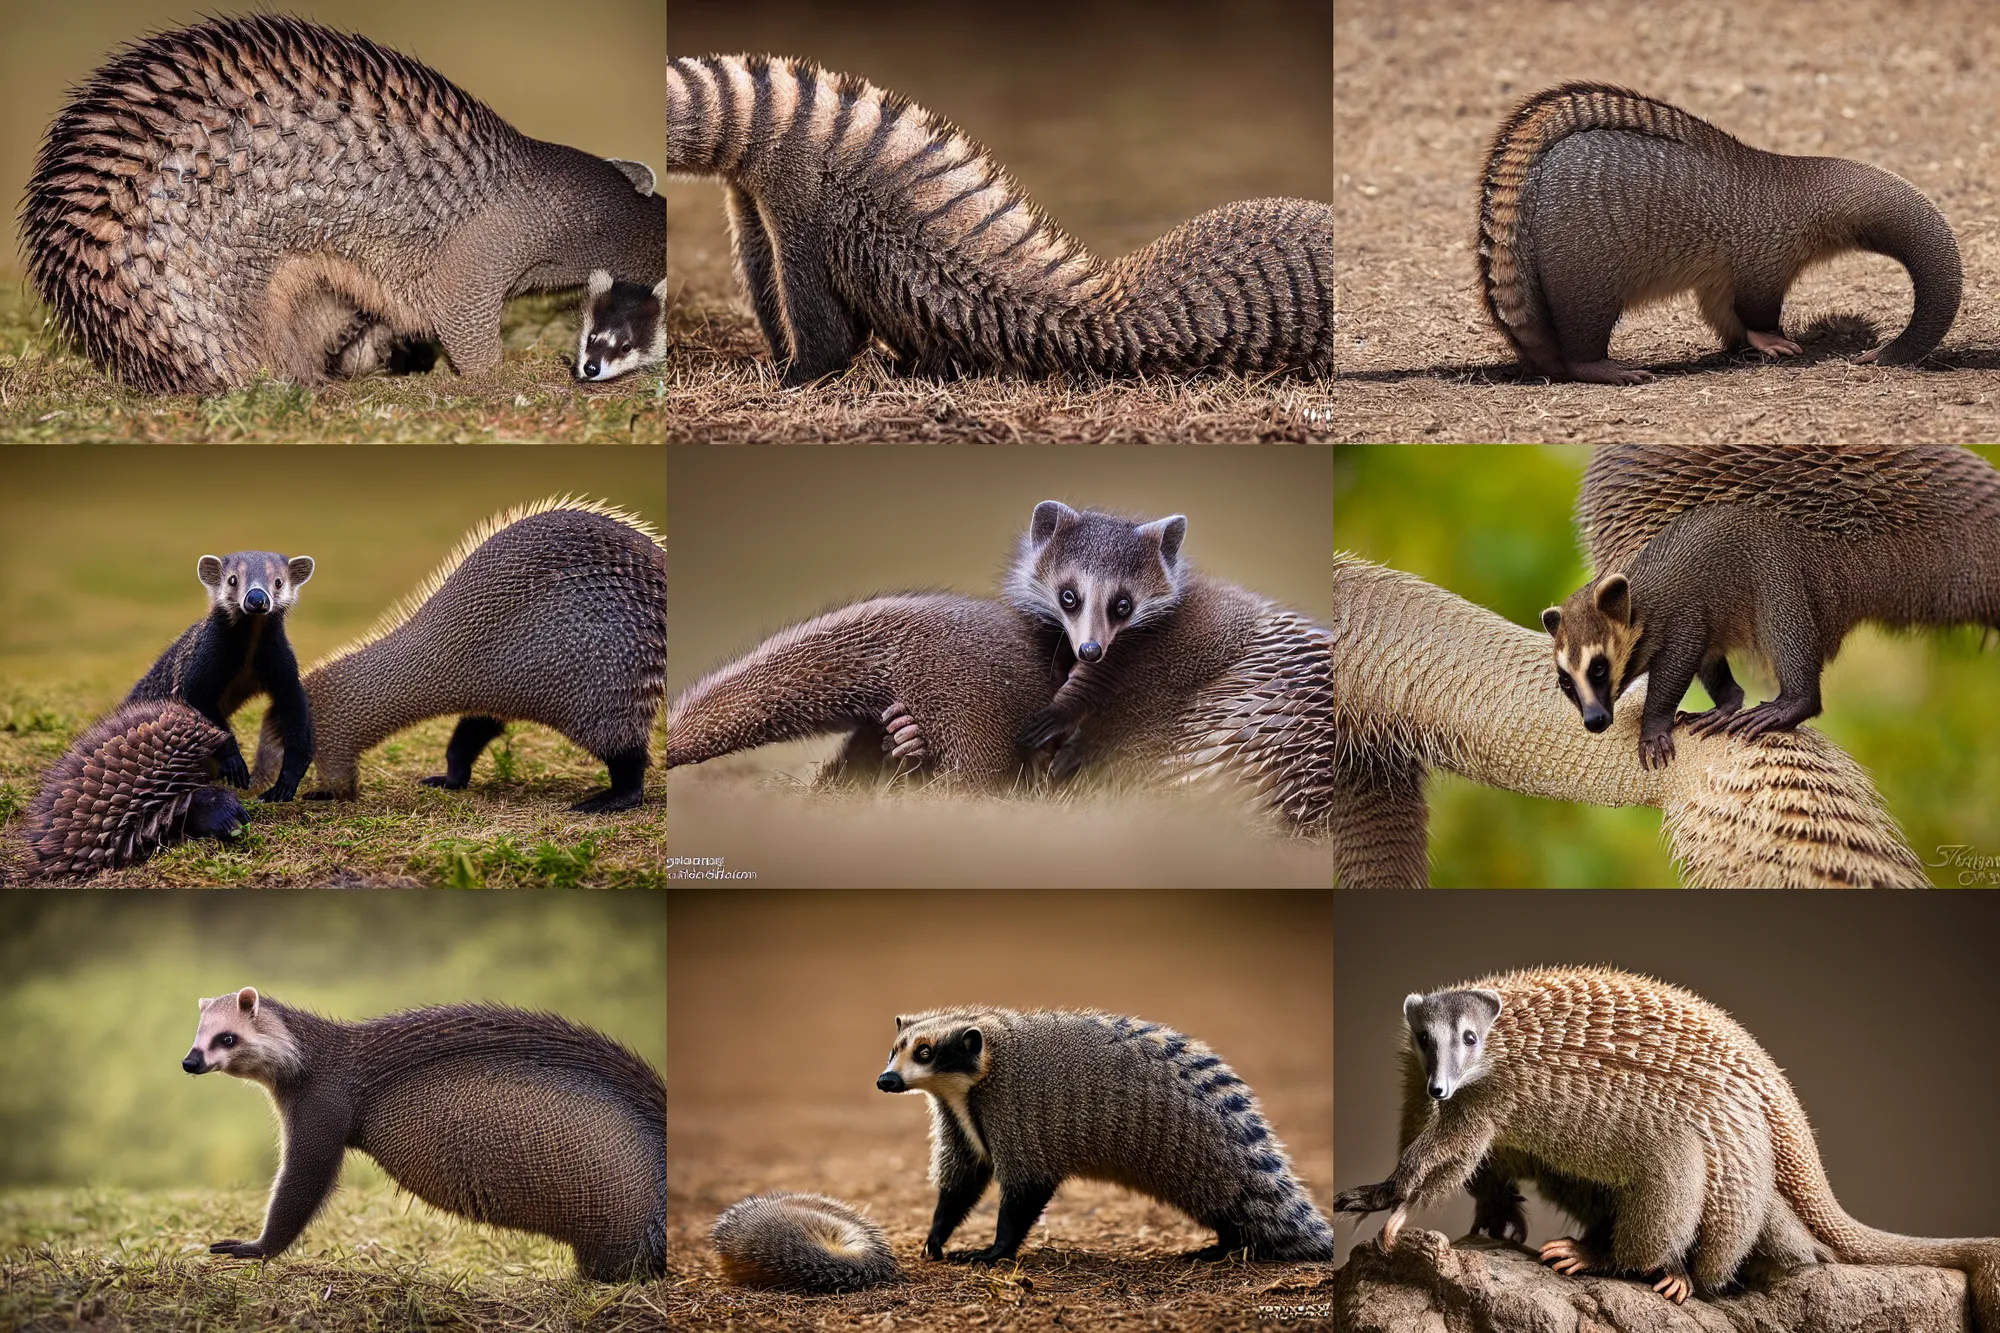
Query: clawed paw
(1566, 1255)
(904, 739)
(1656, 751)
(1675, 1287)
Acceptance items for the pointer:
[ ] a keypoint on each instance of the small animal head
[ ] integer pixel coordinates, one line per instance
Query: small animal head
(624, 328)
(252, 583)
(1595, 640)
(939, 1053)
(241, 1034)
(1448, 1031)
(1095, 575)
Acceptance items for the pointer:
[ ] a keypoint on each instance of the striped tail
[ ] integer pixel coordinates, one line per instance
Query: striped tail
(1507, 283)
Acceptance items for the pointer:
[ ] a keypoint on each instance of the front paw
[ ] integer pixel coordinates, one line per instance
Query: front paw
(1656, 751)
(280, 793)
(1044, 727)
(1069, 758)
(238, 1249)
(992, 1254)
(444, 780)
(234, 771)
(934, 1248)
(1366, 1198)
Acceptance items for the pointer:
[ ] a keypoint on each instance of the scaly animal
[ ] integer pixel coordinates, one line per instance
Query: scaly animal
(238, 652)
(856, 214)
(1652, 1115)
(262, 193)
(1037, 1098)
(1781, 549)
(553, 612)
(1598, 199)
(520, 1119)
(808, 1241)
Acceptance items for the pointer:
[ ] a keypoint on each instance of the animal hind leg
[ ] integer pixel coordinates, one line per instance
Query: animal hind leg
(1658, 1218)
(756, 268)
(1723, 689)
(822, 331)
(468, 739)
(628, 785)
(1758, 310)
(1583, 318)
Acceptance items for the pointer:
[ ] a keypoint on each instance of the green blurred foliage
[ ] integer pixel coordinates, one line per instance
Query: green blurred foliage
(98, 1006)
(1494, 524)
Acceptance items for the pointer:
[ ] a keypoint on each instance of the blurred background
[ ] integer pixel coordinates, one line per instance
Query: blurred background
(98, 994)
(1121, 118)
(781, 1010)
(1862, 999)
(1494, 524)
(98, 546)
(588, 78)
(762, 538)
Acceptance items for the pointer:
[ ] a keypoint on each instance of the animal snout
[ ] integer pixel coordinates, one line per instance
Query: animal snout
(1440, 1091)
(591, 367)
(1595, 719)
(256, 600)
(1091, 652)
(193, 1062)
(891, 1081)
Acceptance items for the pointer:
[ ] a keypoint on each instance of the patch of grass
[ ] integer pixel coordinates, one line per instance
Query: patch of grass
(50, 393)
(374, 1259)
(511, 830)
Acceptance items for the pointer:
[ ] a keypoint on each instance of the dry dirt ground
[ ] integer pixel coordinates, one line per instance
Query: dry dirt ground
(1418, 89)
(1119, 130)
(780, 1011)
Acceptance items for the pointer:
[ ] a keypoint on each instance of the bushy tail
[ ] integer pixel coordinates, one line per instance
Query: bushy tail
(1507, 283)
(830, 673)
(1802, 1181)
(803, 1241)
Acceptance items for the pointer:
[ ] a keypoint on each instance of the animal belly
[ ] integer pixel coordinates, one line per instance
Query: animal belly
(519, 1153)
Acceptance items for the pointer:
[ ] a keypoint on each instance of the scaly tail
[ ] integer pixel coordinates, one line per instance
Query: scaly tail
(1802, 1180)
(830, 673)
(1507, 283)
(807, 1241)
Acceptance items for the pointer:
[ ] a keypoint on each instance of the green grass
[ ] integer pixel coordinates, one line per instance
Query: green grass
(52, 394)
(373, 1260)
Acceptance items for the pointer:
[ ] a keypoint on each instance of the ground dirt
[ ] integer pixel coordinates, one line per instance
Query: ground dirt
(1418, 90)
(779, 1014)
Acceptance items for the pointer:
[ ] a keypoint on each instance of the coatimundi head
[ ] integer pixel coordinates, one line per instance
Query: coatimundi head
(942, 1052)
(252, 583)
(1095, 575)
(242, 1035)
(1448, 1033)
(1595, 637)
(624, 328)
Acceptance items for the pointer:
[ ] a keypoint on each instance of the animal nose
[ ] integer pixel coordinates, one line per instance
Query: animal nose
(1437, 1091)
(590, 368)
(255, 600)
(890, 1081)
(193, 1062)
(1090, 652)
(1596, 719)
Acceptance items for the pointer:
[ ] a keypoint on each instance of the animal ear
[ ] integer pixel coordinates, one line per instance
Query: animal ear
(1552, 619)
(972, 1040)
(1168, 532)
(1614, 598)
(638, 173)
(1411, 1004)
(1049, 515)
(246, 1000)
(1491, 999)
(660, 291)
(209, 570)
(901, 1022)
(600, 281)
(302, 569)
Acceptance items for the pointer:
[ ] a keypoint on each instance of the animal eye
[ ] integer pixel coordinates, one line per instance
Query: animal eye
(1121, 608)
(1471, 1037)
(226, 1039)
(1568, 686)
(1068, 599)
(923, 1053)
(1599, 670)
(1424, 1040)
(232, 580)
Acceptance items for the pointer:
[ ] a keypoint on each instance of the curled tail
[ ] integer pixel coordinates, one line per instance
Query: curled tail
(1507, 282)
(830, 673)
(804, 1241)
(1802, 1181)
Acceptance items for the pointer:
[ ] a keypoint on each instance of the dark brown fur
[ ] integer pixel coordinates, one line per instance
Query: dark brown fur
(519, 1119)
(1597, 199)
(857, 214)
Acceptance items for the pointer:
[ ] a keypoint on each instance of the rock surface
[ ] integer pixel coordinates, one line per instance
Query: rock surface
(1428, 1285)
